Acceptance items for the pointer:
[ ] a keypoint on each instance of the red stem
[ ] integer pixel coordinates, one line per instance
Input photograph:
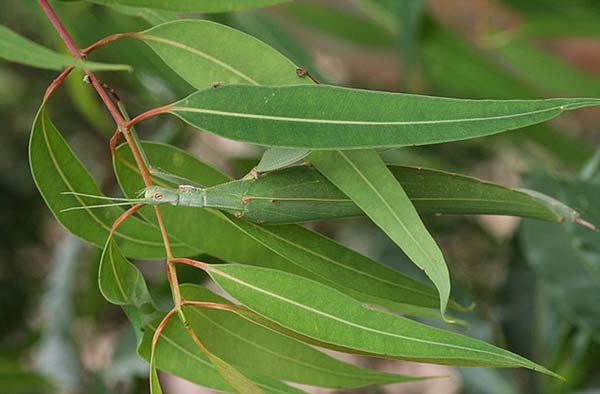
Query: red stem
(56, 82)
(60, 29)
(106, 40)
(148, 114)
(211, 305)
(191, 262)
(122, 218)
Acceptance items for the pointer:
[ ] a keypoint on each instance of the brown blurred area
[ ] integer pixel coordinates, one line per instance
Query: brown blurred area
(59, 335)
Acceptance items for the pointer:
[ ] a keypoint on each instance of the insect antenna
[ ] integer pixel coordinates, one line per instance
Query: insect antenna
(116, 204)
(103, 197)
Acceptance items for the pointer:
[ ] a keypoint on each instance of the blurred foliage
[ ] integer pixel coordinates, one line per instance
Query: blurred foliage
(536, 288)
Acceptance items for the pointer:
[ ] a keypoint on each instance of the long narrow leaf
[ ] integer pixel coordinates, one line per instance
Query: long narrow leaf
(328, 117)
(316, 311)
(18, 49)
(364, 177)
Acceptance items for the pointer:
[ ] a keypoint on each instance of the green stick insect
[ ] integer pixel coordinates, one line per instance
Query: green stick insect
(301, 194)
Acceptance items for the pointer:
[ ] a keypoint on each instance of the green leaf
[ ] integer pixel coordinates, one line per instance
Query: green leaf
(253, 347)
(364, 177)
(56, 170)
(290, 248)
(566, 259)
(276, 158)
(311, 116)
(223, 54)
(322, 313)
(204, 6)
(18, 49)
(177, 354)
(121, 283)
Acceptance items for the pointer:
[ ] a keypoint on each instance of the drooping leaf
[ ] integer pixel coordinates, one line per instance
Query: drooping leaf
(328, 117)
(121, 283)
(177, 354)
(319, 312)
(290, 248)
(56, 170)
(251, 346)
(18, 49)
(364, 177)
(223, 54)
(202, 6)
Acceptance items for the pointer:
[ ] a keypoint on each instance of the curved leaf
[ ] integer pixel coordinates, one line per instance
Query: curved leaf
(177, 354)
(322, 313)
(18, 49)
(223, 54)
(56, 169)
(328, 117)
(251, 346)
(364, 177)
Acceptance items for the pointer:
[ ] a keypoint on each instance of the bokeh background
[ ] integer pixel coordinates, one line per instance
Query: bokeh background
(536, 286)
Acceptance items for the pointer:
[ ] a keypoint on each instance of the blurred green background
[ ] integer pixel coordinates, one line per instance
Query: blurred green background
(536, 285)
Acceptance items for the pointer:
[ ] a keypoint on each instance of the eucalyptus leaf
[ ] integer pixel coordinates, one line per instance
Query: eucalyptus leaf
(121, 283)
(248, 345)
(224, 55)
(177, 354)
(57, 170)
(18, 49)
(328, 117)
(319, 312)
(364, 177)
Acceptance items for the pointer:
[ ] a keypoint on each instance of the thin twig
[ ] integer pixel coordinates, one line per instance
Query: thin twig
(56, 82)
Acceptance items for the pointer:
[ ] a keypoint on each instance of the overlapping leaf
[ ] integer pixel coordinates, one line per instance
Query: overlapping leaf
(328, 117)
(56, 170)
(18, 49)
(253, 347)
(319, 312)
(364, 177)
(223, 54)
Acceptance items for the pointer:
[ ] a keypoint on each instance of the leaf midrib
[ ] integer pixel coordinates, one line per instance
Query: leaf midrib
(356, 122)
(201, 54)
